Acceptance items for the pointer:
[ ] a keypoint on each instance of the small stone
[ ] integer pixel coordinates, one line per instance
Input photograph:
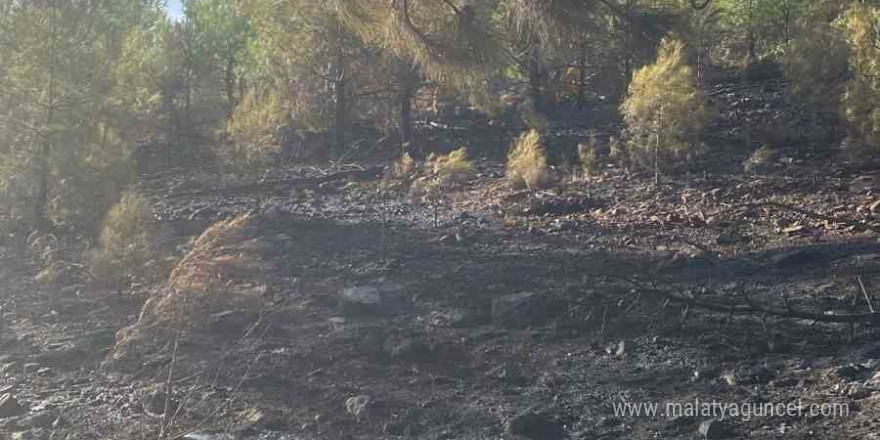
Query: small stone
(8, 405)
(357, 405)
(713, 429)
(534, 426)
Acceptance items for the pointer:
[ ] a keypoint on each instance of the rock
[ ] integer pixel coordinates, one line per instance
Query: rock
(407, 349)
(357, 405)
(42, 420)
(8, 405)
(102, 339)
(848, 372)
(522, 310)
(31, 367)
(506, 372)
(7, 369)
(155, 404)
(205, 436)
(253, 420)
(713, 429)
(361, 299)
(534, 426)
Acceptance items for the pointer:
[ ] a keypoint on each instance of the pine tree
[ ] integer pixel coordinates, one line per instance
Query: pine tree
(664, 110)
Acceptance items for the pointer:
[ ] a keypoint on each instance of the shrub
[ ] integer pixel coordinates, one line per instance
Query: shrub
(126, 251)
(526, 162)
(861, 100)
(815, 62)
(588, 156)
(760, 160)
(664, 109)
(219, 274)
(404, 167)
(254, 131)
(451, 168)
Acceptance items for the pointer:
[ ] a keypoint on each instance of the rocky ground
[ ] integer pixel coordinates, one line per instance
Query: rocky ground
(494, 313)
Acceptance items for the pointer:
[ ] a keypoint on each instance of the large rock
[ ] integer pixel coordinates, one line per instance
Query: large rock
(534, 426)
(522, 310)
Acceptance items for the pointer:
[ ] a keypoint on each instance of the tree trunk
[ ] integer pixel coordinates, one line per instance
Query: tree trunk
(339, 122)
(41, 204)
(535, 78)
(229, 83)
(582, 78)
(407, 94)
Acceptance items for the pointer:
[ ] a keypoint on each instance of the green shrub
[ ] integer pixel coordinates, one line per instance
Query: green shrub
(526, 161)
(664, 109)
(860, 24)
(587, 153)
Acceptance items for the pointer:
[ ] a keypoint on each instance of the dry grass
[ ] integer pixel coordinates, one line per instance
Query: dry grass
(126, 252)
(526, 162)
(588, 156)
(220, 273)
(404, 167)
(452, 168)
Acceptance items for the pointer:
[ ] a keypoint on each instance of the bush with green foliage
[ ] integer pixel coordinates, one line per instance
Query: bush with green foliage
(527, 162)
(664, 109)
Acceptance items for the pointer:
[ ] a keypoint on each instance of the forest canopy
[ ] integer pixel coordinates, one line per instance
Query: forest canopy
(93, 92)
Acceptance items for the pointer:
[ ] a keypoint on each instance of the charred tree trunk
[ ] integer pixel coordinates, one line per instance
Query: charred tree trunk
(341, 109)
(407, 79)
(535, 92)
(582, 77)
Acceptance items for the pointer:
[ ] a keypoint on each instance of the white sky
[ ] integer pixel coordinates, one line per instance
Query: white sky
(175, 11)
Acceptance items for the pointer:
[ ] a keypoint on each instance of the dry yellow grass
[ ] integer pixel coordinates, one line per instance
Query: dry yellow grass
(126, 251)
(220, 273)
(526, 162)
(454, 167)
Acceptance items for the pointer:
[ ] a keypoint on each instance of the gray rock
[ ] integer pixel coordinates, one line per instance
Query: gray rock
(506, 372)
(30, 368)
(522, 310)
(848, 372)
(357, 405)
(534, 426)
(8, 406)
(408, 349)
(42, 420)
(713, 429)
(361, 299)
